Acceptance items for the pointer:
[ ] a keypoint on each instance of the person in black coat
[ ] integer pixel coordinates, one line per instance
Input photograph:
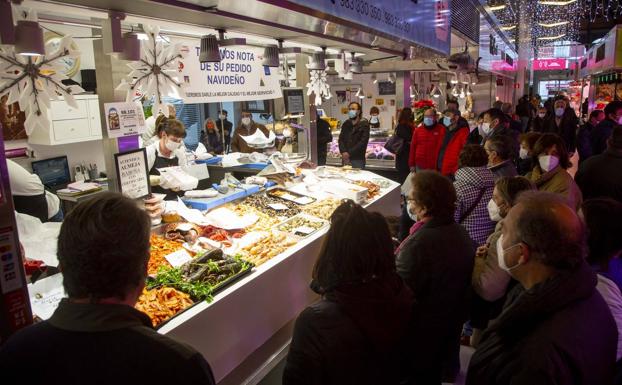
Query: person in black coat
(602, 132)
(601, 175)
(563, 122)
(584, 144)
(436, 261)
(96, 336)
(537, 123)
(555, 327)
(210, 138)
(404, 131)
(354, 137)
(356, 333)
(225, 127)
(324, 137)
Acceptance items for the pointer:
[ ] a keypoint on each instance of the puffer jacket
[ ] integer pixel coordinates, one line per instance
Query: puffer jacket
(470, 182)
(451, 150)
(355, 335)
(557, 181)
(425, 146)
(558, 332)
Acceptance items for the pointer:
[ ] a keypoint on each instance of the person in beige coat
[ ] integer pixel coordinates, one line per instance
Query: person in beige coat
(489, 281)
(550, 173)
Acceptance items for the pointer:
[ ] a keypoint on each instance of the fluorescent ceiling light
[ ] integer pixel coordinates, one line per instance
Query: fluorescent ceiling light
(551, 25)
(497, 7)
(552, 37)
(509, 28)
(552, 2)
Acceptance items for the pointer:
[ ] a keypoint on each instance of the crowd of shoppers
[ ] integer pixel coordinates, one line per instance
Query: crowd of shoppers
(530, 264)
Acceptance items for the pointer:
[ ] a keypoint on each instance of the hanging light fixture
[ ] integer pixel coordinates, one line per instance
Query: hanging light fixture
(374, 78)
(469, 91)
(271, 56)
(436, 92)
(391, 77)
(454, 79)
(462, 92)
(29, 39)
(7, 31)
(131, 47)
(318, 61)
(360, 93)
(356, 66)
(210, 51)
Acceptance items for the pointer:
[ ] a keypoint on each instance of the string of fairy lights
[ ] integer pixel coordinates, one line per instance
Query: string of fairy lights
(549, 21)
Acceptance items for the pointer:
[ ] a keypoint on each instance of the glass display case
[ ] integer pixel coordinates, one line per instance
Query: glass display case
(377, 156)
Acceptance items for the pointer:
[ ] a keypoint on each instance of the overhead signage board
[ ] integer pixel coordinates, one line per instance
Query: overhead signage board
(240, 76)
(549, 64)
(422, 22)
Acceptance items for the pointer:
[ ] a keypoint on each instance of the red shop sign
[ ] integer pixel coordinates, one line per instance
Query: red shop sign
(549, 64)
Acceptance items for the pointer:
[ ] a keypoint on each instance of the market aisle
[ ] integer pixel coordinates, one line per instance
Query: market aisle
(275, 376)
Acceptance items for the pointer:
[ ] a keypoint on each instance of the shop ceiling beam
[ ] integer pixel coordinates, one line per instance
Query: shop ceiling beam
(195, 15)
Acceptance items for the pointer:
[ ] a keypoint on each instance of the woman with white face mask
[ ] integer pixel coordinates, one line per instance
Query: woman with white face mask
(563, 122)
(247, 127)
(169, 151)
(374, 118)
(551, 162)
(490, 281)
(435, 261)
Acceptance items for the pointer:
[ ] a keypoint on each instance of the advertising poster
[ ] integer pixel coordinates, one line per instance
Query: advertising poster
(240, 76)
(124, 119)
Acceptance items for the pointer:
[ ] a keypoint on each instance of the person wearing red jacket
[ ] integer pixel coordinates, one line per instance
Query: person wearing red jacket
(456, 134)
(426, 143)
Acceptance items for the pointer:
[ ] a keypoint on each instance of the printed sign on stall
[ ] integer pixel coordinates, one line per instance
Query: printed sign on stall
(132, 173)
(240, 76)
(124, 119)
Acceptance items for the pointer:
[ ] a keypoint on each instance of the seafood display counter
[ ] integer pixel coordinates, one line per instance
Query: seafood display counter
(231, 282)
(246, 315)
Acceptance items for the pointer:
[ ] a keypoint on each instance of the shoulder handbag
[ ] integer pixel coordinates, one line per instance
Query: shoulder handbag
(473, 206)
(394, 144)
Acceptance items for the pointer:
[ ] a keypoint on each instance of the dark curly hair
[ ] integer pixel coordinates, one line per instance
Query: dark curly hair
(357, 248)
(472, 155)
(103, 248)
(530, 139)
(434, 192)
(545, 142)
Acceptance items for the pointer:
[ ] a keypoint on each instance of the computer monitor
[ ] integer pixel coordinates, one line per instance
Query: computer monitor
(52, 172)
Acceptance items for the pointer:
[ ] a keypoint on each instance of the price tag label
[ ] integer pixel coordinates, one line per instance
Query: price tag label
(278, 206)
(304, 230)
(178, 258)
(303, 200)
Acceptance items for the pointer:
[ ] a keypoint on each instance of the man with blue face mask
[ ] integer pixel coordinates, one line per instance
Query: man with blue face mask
(354, 137)
(426, 142)
(555, 327)
(456, 135)
(563, 122)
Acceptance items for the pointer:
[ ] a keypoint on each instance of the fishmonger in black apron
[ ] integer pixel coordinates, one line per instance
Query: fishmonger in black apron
(162, 162)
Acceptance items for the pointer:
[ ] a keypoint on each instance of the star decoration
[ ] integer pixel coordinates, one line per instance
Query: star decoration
(155, 74)
(34, 81)
(319, 86)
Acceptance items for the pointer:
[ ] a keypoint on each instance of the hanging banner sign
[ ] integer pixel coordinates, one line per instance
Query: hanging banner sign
(240, 76)
(549, 64)
(124, 119)
(132, 173)
(422, 22)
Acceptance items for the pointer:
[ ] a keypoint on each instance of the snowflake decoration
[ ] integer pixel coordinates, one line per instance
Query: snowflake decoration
(319, 86)
(34, 81)
(155, 73)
